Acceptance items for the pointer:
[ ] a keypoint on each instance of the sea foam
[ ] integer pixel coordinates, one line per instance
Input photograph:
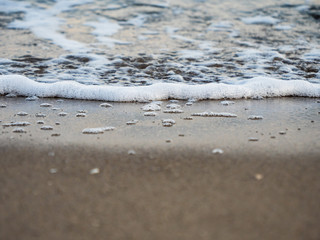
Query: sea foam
(249, 88)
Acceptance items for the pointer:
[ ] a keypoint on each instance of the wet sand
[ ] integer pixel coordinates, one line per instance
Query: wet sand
(132, 183)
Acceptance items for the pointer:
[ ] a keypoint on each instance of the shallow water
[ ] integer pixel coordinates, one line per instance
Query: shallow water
(134, 43)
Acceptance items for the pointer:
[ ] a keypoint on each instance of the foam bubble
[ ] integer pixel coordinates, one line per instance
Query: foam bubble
(47, 128)
(217, 151)
(22, 113)
(97, 130)
(249, 88)
(214, 114)
(266, 20)
(19, 130)
(150, 114)
(255, 117)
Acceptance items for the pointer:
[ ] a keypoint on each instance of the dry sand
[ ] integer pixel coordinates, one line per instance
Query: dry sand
(265, 189)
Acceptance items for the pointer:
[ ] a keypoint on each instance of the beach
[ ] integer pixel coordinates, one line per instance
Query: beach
(159, 120)
(205, 178)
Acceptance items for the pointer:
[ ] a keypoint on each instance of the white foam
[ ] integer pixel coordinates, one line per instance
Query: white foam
(221, 26)
(22, 113)
(151, 107)
(217, 151)
(104, 27)
(19, 130)
(283, 27)
(255, 117)
(265, 20)
(314, 54)
(8, 6)
(97, 130)
(249, 88)
(16, 124)
(227, 103)
(214, 114)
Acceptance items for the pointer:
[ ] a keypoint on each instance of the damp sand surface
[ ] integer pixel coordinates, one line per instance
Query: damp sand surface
(147, 181)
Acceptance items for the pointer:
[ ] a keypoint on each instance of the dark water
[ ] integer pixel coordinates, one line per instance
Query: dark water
(131, 42)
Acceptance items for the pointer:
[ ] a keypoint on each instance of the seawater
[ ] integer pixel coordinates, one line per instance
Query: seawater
(127, 50)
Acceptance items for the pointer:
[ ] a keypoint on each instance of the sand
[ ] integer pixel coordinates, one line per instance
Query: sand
(146, 181)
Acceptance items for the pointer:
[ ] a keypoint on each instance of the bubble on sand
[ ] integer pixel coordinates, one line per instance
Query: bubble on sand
(32, 98)
(41, 115)
(273, 137)
(131, 152)
(173, 106)
(173, 111)
(168, 141)
(47, 128)
(227, 103)
(159, 103)
(255, 117)
(151, 107)
(99, 130)
(82, 111)
(3, 106)
(19, 130)
(16, 124)
(55, 134)
(174, 101)
(188, 118)
(22, 114)
(55, 109)
(168, 122)
(45, 105)
(181, 135)
(60, 100)
(20, 124)
(53, 170)
(57, 123)
(253, 139)
(214, 114)
(62, 114)
(132, 122)
(150, 114)
(257, 97)
(282, 132)
(81, 115)
(40, 122)
(217, 151)
(11, 95)
(94, 171)
(189, 103)
(105, 105)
